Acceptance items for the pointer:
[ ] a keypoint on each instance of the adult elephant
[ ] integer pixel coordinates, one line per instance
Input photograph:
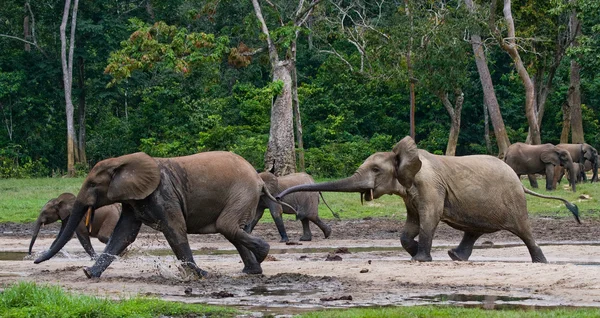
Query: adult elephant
(583, 154)
(306, 205)
(531, 159)
(211, 192)
(59, 208)
(475, 194)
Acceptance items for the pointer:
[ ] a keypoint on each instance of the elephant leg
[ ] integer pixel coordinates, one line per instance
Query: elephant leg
(259, 213)
(276, 212)
(324, 227)
(429, 218)
(125, 232)
(306, 233)
(251, 265)
(550, 185)
(464, 249)
(524, 233)
(409, 232)
(532, 181)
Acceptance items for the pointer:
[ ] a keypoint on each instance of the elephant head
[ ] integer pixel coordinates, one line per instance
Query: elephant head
(374, 178)
(559, 157)
(56, 209)
(591, 154)
(129, 177)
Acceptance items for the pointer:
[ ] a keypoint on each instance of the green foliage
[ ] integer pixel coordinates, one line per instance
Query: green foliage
(14, 164)
(32, 300)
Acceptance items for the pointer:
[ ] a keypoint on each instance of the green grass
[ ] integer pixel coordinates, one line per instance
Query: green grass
(22, 199)
(443, 311)
(31, 300)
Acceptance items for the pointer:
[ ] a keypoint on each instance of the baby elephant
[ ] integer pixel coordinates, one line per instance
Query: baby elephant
(102, 224)
(305, 203)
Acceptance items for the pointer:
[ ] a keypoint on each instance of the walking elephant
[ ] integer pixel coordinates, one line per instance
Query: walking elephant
(583, 154)
(59, 208)
(306, 205)
(211, 192)
(531, 159)
(475, 194)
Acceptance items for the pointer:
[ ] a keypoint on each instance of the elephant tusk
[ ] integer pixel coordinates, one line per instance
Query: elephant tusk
(371, 194)
(88, 217)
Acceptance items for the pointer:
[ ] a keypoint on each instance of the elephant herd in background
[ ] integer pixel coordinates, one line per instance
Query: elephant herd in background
(220, 192)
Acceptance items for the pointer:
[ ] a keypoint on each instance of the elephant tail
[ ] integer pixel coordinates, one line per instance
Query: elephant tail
(571, 206)
(272, 198)
(336, 215)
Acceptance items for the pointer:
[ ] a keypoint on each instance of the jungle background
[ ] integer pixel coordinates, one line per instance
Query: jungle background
(172, 78)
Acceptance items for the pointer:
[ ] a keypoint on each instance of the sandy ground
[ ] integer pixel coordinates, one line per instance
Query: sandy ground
(376, 271)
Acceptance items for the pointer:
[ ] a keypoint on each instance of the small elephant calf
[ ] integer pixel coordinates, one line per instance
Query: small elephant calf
(102, 225)
(305, 203)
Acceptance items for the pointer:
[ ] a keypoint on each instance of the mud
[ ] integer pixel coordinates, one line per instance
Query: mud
(366, 267)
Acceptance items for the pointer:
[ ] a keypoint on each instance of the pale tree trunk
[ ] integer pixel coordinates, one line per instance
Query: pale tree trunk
(297, 119)
(455, 115)
(411, 85)
(574, 97)
(509, 45)
(67, 69)
(489, 95)
(81, 110)
(486, 129)
(280, 156)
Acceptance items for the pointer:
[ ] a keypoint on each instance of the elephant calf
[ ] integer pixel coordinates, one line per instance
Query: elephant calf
(306, 205)
(102, 225)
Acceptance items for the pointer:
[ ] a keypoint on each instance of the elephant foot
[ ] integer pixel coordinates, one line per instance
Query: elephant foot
(422, 258)
(284, 240)
(252, 270)
(327, 232)
(306, 238)
(457, 257)
(91, 273)
(261, 252)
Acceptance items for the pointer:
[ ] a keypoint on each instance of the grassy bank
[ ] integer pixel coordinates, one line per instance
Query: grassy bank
(22, 199)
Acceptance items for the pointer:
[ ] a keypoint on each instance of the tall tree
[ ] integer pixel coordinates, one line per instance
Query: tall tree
(280, 156)
(574, 95)
(488, 88)
(67, 70)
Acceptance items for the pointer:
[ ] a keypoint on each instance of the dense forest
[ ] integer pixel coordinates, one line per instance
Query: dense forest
(327, 81)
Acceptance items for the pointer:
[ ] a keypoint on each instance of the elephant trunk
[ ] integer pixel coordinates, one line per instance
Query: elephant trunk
(36, 230)
(77, 215)
(354, 183)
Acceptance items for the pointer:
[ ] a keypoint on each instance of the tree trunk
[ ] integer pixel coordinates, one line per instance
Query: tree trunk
(411, 85)
(81, 111)
(574, 97)
(297, 119)
(564, 135)
(510, 46)
(455, 115)
(486, 129)
(488, 90)
(280, 156)
(67, 69)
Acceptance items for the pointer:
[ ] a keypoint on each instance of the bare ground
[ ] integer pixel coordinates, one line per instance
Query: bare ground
(377, 271)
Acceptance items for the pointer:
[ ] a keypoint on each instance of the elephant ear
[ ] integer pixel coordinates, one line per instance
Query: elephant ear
(135, 177)
(589, 152)
(407, 161)
(64, 205)
(270, 182)
(550, 156)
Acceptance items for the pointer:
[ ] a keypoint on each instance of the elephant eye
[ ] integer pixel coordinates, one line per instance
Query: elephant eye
(375, 169)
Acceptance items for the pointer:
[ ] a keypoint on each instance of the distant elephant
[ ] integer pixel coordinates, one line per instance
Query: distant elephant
(583, 154)
(476, 194)
(589, 166)
(306, 205)
(210, 192)
(531, 159)
(105, 219)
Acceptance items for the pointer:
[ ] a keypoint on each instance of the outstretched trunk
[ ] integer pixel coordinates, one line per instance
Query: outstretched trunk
(354, 183)
(36, 230)
(66, 231)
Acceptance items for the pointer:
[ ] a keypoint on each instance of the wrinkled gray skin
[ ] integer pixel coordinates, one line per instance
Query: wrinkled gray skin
(474, 194)
(211, 192)
(542, 159)
(105, 219)
(306, 205)
(585, 155)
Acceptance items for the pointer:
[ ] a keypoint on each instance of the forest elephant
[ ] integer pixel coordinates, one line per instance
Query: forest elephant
(59, 208)
(531, 159)
(306, 205)
(475, 194)
(585, 155)
(210, 192)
